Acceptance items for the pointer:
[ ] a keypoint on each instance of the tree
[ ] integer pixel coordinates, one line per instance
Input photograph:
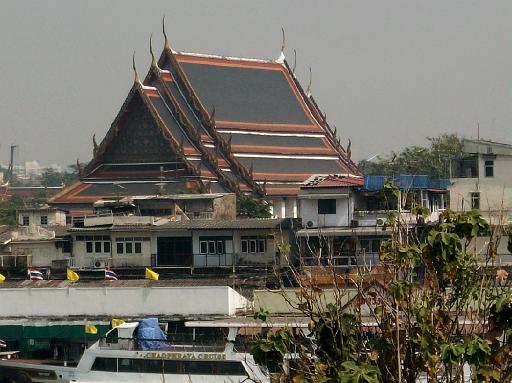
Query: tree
(8, 210)
(432, 312)
(433, 161)
(253, 207)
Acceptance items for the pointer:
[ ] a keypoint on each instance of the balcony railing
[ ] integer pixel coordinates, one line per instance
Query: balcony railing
(199, 214)
(12, 261)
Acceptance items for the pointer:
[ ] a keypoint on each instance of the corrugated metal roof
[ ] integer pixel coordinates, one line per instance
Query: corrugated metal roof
(199, 224)
(333, 180)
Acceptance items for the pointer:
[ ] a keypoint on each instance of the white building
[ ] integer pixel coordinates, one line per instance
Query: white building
(482, 179)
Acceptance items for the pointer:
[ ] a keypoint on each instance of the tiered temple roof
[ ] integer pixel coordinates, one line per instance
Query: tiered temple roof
(199, 122)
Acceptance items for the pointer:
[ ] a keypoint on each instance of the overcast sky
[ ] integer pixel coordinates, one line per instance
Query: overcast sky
(387, 73)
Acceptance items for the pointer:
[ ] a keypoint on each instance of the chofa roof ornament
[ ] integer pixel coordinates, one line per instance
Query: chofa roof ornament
(281, 57)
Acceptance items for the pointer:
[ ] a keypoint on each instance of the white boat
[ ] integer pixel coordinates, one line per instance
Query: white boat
(119, 358)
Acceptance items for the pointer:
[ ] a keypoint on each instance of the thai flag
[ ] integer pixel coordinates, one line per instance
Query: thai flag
(110, 275)
(3, 343)
(35, 275)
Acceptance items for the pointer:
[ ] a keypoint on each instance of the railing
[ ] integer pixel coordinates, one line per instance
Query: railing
(14, 261)
(344, 261)
(131, 344)
(205, 260)
(199, 214)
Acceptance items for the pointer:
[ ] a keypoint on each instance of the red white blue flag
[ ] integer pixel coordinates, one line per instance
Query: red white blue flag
(110, 275)
(3, 343)
(35, 275)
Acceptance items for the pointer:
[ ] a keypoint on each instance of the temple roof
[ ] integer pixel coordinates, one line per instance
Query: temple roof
(243, 125)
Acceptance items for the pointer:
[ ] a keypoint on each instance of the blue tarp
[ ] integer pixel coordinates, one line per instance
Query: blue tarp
(150, 336)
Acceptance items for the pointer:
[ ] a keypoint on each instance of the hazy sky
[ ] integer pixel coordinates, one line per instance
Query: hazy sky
(387, 73)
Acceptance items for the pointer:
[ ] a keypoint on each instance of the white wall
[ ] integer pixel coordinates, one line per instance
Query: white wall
(494, 191)
(42, 252)
(309, 212)
(54, 217)
(120, 301)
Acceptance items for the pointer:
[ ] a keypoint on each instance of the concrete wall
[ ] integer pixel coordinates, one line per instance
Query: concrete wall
(42, 252)
(495, 192)
(120, 301)
(309, 212)
(285, 301)
(284, 207)
(54, 217)
(224, 207)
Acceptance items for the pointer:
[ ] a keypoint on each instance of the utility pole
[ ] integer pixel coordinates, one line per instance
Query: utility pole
(10, 170)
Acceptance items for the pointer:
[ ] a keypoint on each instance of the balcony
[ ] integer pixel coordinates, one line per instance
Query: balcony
(13, 261)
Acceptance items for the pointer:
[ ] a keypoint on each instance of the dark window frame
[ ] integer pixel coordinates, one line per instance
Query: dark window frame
(327, 206)
(489, 168)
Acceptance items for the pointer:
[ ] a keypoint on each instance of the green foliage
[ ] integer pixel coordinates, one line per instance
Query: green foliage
(271, 349)
(454, 314)
(8, 210)
(253, 207)
(432, 161)
(351, 372)
(51, 177)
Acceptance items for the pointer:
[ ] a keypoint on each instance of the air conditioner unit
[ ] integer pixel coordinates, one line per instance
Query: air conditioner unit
(380, 221)
(311, 223)
(99, 263)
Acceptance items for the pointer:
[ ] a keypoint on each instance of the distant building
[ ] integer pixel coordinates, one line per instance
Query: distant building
(482, 179)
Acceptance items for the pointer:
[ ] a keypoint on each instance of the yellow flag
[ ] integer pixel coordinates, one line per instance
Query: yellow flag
(90, 329)
(2, 278)
(116, 322)
(72, 276)
(150, 274)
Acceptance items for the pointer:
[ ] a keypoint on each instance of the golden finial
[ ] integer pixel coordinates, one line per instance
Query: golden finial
(136, 79)
(153, 60)
(283, 45)
(166, 41)
(308, 91)
(294, 61)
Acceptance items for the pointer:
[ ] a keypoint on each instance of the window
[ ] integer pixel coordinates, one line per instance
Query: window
(88, 247)
(253, 244)
(44, 220)
(97, 247)
(105, 364)
(26, 220)
(475, 200)
(130, 245)
(211, 247)
(220, 247)
(489, 168)
(261, 246)
(203, 247)
(326, 206)
(106, 247)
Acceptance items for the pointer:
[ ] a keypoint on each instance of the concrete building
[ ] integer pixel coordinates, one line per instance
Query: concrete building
(482, 180)
(147, 241)
(344, 215)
